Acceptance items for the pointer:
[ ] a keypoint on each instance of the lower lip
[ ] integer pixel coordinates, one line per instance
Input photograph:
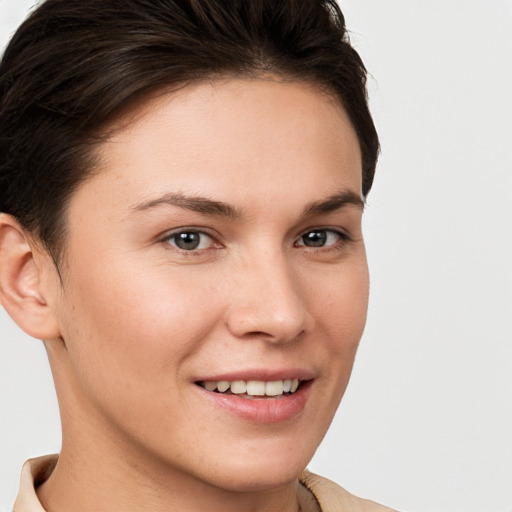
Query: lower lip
(262, 410)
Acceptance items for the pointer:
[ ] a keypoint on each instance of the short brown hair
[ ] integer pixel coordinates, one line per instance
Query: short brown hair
(73, 65)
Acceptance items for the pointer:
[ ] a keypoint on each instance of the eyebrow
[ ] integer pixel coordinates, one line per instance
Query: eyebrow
(208, 206)
(195, 203)
(333, 203)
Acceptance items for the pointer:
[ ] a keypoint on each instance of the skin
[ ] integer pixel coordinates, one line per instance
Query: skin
(136, 321)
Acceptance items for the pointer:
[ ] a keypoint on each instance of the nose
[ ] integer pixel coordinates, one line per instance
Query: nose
(268, 303)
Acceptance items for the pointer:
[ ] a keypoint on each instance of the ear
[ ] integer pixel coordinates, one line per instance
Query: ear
(21, 290)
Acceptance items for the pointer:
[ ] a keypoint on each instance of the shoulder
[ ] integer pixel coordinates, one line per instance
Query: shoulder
(334, 498)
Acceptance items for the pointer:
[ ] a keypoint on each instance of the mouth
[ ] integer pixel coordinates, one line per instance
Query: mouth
(253, 389)
(257, 399)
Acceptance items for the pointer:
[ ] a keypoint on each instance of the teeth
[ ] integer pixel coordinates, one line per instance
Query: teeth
(210, 385)
(253, 387)
(223, 385)
(256, 388)
(274, 388)
(238, 387)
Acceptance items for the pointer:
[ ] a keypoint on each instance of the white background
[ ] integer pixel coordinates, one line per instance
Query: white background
(426, 424)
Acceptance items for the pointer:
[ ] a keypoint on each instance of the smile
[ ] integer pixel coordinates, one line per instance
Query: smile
(253, 388)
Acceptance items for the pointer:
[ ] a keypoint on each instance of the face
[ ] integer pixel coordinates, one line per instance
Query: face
(215, 286)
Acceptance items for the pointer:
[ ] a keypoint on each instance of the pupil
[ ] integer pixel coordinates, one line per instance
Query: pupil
(315, 238)
(188, 241)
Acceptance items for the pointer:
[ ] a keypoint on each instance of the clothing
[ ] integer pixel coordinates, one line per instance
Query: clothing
(330, 496)
(333, 498)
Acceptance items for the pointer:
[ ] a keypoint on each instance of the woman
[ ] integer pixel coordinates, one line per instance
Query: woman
(182, 191)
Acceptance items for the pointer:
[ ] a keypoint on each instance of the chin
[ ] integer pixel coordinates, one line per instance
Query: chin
(266, 465)
(258, 478)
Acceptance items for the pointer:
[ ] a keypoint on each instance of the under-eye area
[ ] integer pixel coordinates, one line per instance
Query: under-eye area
(254, 388)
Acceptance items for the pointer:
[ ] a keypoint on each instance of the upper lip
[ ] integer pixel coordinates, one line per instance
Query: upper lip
(267, 375)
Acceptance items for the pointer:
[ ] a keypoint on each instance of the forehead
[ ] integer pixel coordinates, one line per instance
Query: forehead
(229, 139)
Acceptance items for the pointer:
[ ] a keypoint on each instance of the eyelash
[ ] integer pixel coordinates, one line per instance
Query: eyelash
(342, 239)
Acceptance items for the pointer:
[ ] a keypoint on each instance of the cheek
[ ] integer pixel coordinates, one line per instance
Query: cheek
(340, 313)
(342, 307)
(131, 331)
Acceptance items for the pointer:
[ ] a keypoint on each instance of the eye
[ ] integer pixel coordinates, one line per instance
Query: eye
(190, 240)
(321, 238)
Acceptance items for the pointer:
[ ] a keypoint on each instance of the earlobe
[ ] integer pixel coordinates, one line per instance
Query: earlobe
(21, 292)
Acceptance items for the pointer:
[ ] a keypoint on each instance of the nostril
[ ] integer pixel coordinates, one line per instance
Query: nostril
(258, 334)
(271, 338)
